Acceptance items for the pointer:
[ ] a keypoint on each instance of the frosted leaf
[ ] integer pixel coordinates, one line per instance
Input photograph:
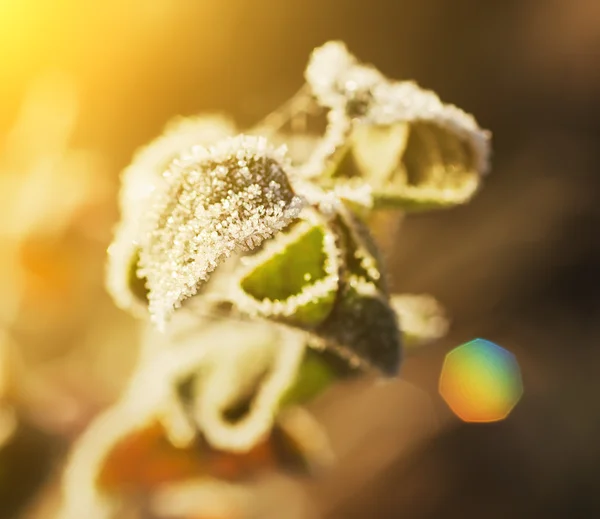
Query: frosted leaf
(294, 277)
(324, 276)
(226, 361)
(421, 317)
(417, 152)
(139, 183)
(405, 101)
(363, 328)
(263, 370)
(227, 198)
(150, 395)
(414, 150)
(361, 255)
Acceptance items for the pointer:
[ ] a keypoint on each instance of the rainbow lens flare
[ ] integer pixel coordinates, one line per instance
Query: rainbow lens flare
(481, 381)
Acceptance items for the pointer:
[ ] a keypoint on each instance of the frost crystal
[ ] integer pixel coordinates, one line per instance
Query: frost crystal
(219, 200)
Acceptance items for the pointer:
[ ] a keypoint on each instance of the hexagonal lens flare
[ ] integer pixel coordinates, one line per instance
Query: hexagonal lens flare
(481, 381)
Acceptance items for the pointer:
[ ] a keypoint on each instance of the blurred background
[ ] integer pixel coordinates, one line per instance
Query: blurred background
(82, 85)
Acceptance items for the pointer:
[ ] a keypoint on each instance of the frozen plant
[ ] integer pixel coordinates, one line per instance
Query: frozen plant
(252, 260)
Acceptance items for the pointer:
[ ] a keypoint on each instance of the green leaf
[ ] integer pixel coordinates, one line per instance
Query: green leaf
(294, 277)
(315, 375)
(363, 328)
(301, 260)
(352, 317)
(413, 166)
(319, 370)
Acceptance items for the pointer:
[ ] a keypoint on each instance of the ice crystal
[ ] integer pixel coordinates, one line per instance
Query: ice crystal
(218, 200)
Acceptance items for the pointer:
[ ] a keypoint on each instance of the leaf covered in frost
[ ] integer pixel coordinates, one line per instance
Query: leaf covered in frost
(227, 198)
(139, 183)
(415, 151)
(294, 277)
(325, 276)
(156, 435)
(363, 328)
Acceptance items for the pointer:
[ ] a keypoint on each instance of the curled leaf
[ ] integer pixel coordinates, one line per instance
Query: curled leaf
(362, 327)
(155, 435)
(237, 395)
(415, 151)
(324, 275)
(220, 200)
(294, 277)
(414, 166)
